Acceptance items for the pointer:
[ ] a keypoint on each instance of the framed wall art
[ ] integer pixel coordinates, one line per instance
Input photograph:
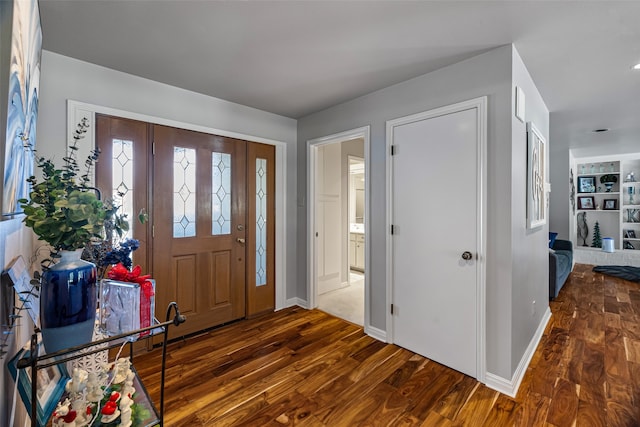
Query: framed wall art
(21, 78)
(536, 178)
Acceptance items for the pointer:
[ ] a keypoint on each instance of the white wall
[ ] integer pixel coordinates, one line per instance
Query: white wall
(66, 78)
(487, 74)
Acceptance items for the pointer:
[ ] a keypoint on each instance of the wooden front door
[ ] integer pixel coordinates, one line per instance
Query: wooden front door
(199, 225)
(210, 239)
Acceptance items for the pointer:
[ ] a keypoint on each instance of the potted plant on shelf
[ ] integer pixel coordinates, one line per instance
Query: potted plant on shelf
(65, 211)
(608, 180)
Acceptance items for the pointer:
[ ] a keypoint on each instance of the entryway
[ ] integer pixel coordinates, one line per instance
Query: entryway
(437, 204)
(210, 239)
(338, 222)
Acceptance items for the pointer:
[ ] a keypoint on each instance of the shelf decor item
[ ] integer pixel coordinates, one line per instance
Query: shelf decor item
(596, 241)
(583, 230)
(586, 184)
(127, 301)
(67, 213)
(608, 180)
(610, 204)
(586, 203)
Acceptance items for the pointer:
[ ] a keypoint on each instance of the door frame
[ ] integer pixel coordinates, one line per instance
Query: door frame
(480, 105)
(77, 110)
(312, 150)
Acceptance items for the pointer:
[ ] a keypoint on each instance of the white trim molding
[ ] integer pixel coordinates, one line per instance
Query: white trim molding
(480, 106)
(376, 333)
(77, 110)
(291, 302)
(510, 387)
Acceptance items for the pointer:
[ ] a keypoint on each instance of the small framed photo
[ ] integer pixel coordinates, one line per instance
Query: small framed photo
(630, 234)
(51, 382)
(586, 184)
(586, 203)
(610, 204)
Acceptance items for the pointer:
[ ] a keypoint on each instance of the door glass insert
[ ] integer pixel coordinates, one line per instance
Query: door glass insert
(221, 193)
(184, 192)
(261, 222)
(122, 173)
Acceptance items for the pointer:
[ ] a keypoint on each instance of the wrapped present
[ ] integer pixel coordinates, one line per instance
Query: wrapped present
(127, 301)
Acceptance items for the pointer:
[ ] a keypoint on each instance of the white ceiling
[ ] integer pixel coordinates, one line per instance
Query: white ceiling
(297, 57)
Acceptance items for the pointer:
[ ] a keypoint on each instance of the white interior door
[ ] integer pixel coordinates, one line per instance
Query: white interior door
(329, 218)
(434, 211)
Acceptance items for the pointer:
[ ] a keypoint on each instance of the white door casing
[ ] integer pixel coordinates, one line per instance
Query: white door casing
(436, 204)
(312, 220)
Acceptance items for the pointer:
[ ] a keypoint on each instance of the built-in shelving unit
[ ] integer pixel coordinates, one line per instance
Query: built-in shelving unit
(615, 207)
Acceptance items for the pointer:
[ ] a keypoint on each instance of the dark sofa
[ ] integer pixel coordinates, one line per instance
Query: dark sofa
(560, 265)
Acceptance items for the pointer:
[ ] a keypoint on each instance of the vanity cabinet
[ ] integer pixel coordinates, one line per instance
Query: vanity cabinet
(356, 251)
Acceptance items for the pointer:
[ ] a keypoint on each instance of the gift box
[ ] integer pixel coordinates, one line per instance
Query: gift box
(126, 306)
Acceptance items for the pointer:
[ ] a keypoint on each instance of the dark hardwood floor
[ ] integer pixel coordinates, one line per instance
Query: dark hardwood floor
(306, 368)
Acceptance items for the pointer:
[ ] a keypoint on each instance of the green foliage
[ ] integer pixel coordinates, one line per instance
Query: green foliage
(609, 178)
(63, 210)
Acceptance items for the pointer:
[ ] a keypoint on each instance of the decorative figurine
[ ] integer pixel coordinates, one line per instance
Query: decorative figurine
(78, 381)
(583, 230)
(64, 416)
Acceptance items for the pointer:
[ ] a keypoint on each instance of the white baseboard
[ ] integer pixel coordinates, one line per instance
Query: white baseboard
(510, 387)
(376, 333)
(296, 301)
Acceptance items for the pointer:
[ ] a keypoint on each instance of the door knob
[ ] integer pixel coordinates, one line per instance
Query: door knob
(240, 240)
(466, 255)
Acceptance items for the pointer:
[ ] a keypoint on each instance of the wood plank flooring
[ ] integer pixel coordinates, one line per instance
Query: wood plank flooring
(306, 368)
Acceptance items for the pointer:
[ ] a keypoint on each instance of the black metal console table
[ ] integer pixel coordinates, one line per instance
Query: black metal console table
(36, 362)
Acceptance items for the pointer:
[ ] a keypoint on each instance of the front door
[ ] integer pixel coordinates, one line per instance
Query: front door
(200, 216)
(210, 239)
(435, 202)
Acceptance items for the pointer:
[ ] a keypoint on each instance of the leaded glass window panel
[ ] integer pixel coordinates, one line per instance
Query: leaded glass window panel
(221, 193)
(184, 192)
(261, 222)
(122, 178)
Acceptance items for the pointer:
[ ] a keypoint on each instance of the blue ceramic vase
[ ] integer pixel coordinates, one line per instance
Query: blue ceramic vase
(68, 302)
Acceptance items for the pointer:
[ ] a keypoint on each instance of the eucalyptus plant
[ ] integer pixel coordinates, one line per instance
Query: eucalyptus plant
(63, 209)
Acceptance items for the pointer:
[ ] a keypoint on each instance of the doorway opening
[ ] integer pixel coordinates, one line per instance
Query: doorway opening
(338, 207)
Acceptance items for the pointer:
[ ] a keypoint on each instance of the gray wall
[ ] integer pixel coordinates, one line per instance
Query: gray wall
(530, 258)
(66, 78)
(559, 204)
(487, 74)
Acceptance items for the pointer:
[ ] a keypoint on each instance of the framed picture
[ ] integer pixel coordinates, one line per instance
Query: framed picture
(51, 382)
(586, 184)
(630, 234)
(21, 93)
(536, 178)
(610, 204)
(586, 203)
